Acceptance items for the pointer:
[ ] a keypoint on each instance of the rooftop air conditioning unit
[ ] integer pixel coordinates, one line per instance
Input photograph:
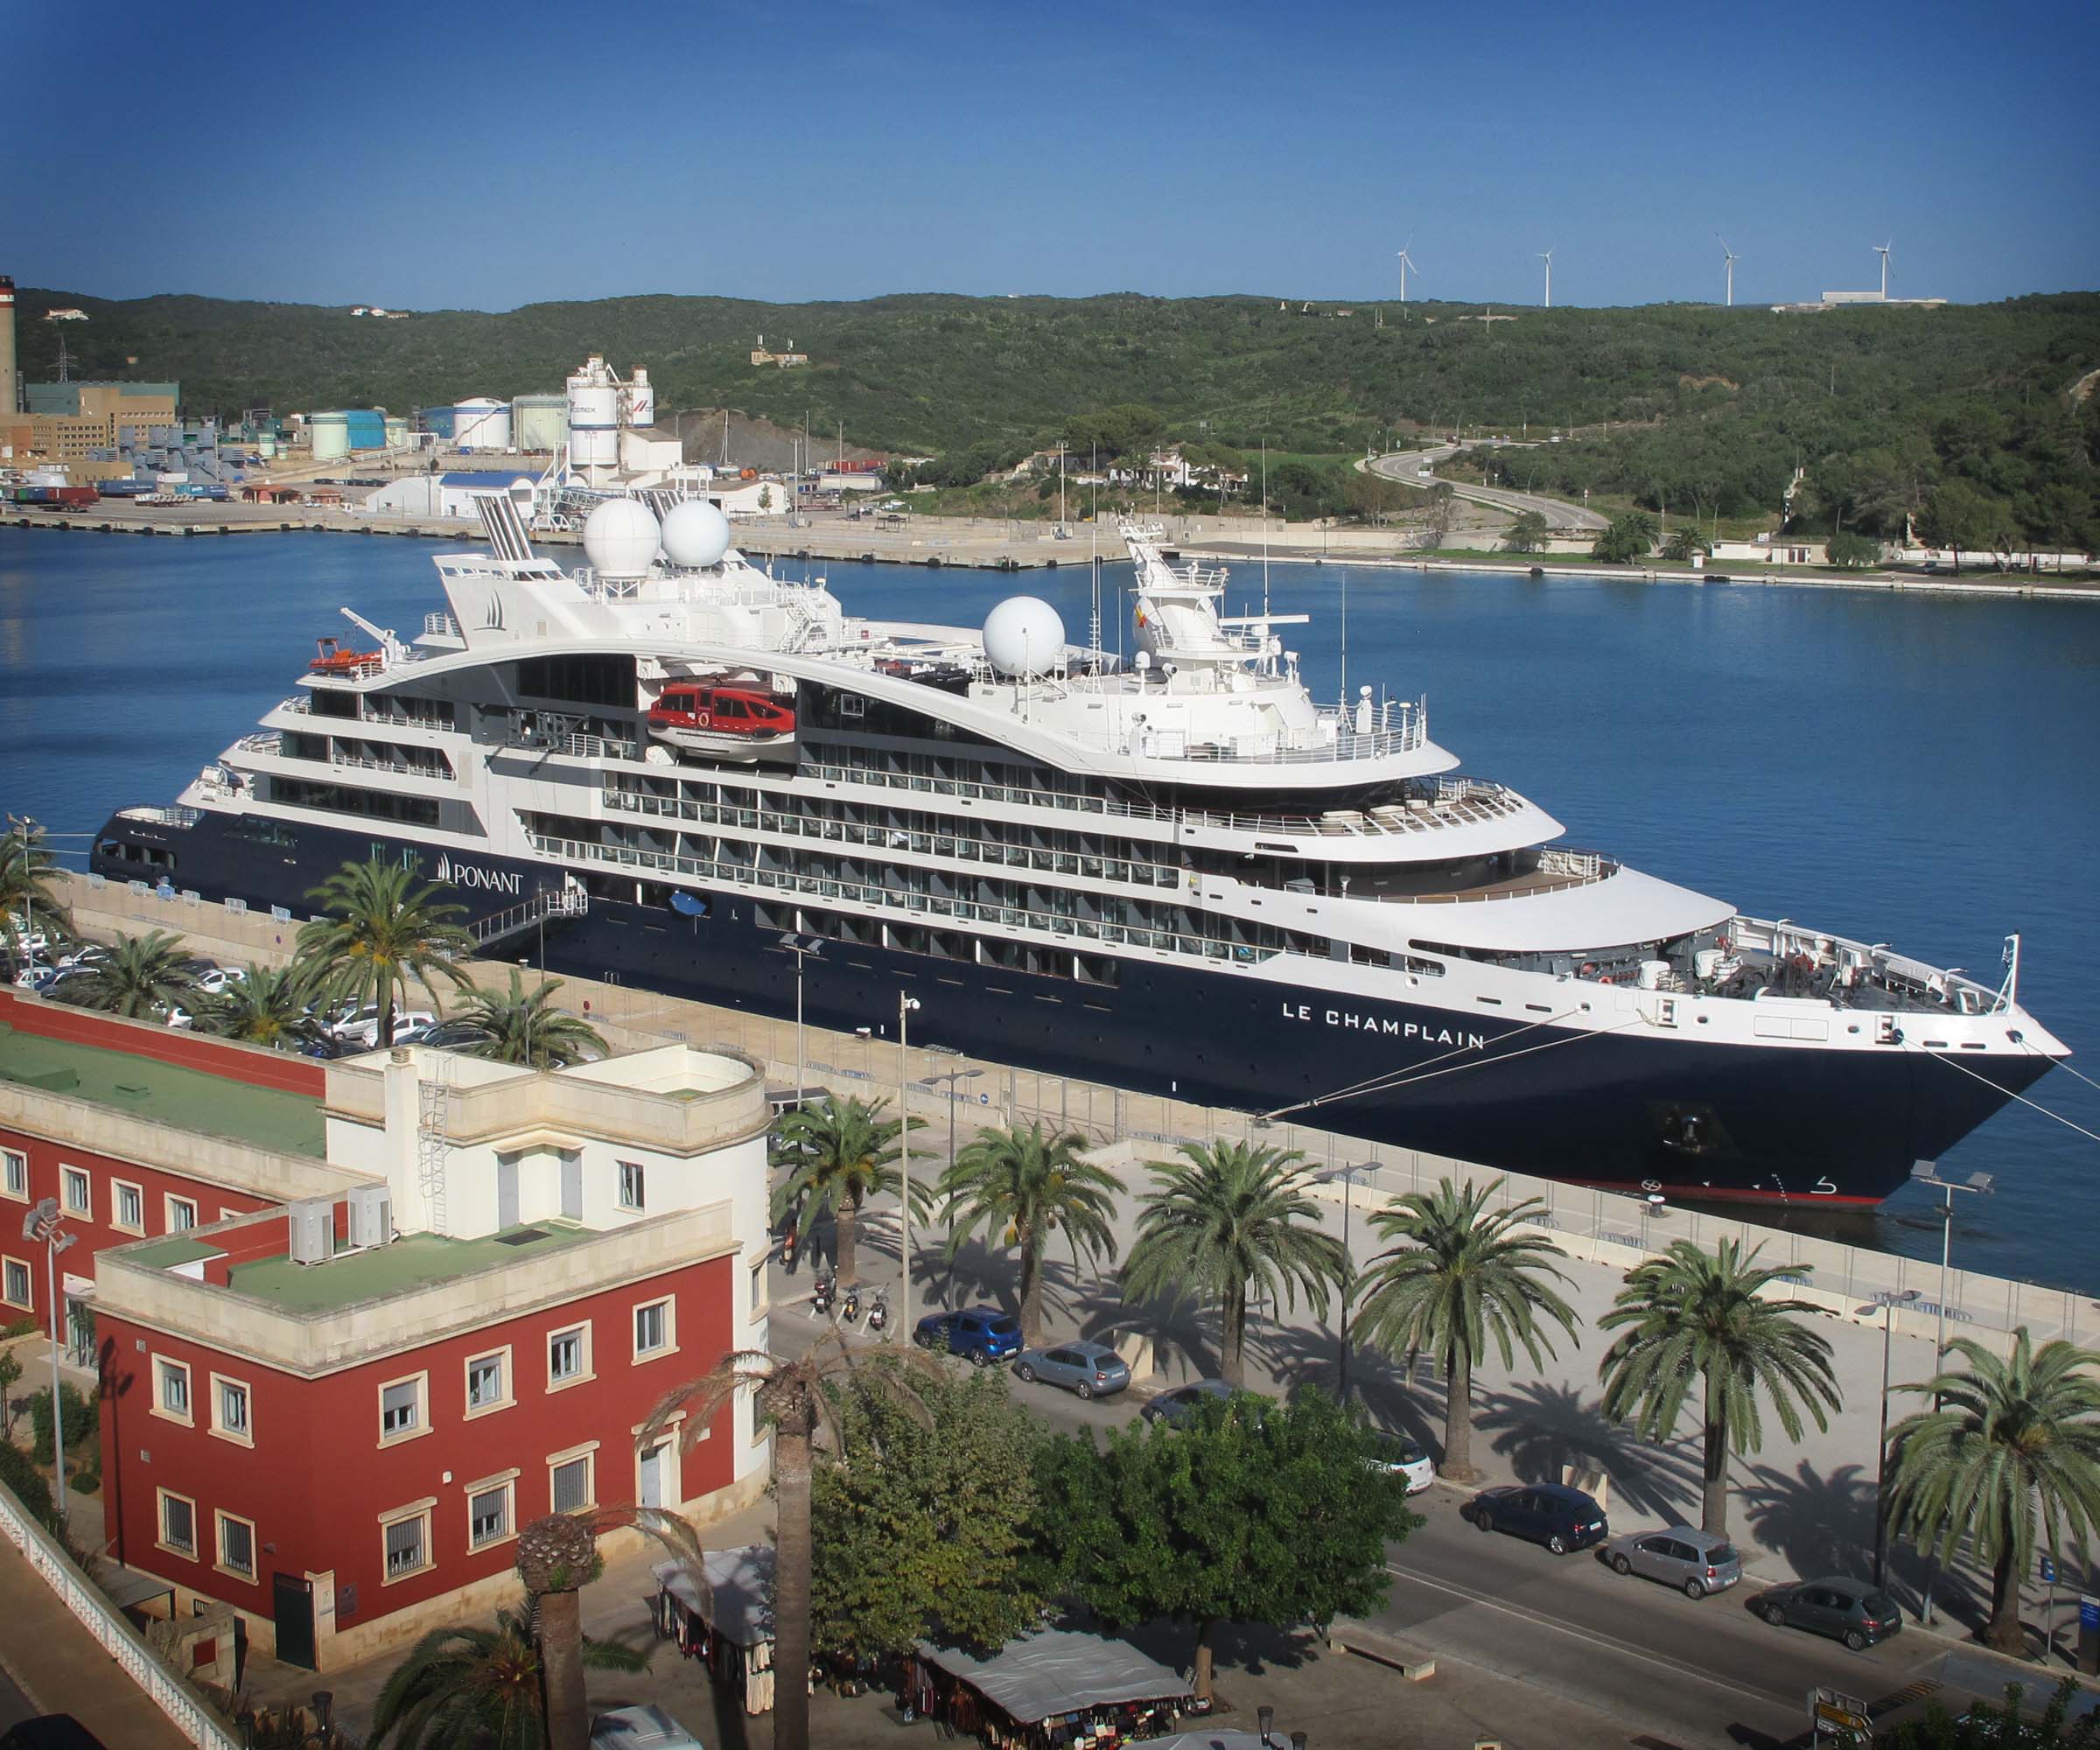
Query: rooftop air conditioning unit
(371, 1215)
(312, 1231)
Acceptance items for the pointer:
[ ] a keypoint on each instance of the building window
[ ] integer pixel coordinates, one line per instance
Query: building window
(568, 1482)
(236, 1546)
(230, 1410)
(171, 1389)
(488, 1511)
(126, 1206)
(488, 1383)
(569, 1356)
(404, 1408)
(405, 1537)
(15, 1290)
(14, 1173)
(78, 1190)
(654, 1328)
(631, 1185)
(182, 1214)
(178, 1525)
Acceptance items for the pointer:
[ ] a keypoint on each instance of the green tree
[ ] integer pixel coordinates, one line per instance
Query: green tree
(482, 1687)
(2000, 1726)
(1464, 1274)
(1685, 544)
(11, 1371)
(1629, 537)
(522, 1026)
(1956, 515)
(2011, 1439)
(385, 931)
(1697, 1319)
(557, 1559)
(28, 875)
(923, 1513)
(1226, 1219)
(19, 1474)
(838, 1153)
(1022, 1187)
(1528, 534)
(796, 1398)
(1438, 511)
(1851, 552)
(143, 977)
(267, 1007)
(1248, 1511)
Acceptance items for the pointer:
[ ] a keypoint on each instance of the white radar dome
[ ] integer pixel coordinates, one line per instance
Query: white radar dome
(621, 538)
(1024, 635)
(696, 533)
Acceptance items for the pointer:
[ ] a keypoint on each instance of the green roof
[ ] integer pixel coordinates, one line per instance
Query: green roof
(180, 1099)
(414, 1261)
(165, 1254)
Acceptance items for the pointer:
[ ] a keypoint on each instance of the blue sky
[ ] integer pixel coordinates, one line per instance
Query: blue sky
(432, 156)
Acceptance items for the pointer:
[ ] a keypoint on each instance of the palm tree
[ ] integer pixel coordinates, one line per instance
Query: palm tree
(1463, 1276)
(478, 1686)
(521, 1026)
(796, 1397)
(838, 1153)
(1691, 1317)
(384, 935)
(143, 977)
(267, 1007)
(27, 872)
(1227, 1218)
(1023, 1184)
(2009, 1436)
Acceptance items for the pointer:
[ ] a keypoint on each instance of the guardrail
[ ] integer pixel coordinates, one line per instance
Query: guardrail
(102, 1619)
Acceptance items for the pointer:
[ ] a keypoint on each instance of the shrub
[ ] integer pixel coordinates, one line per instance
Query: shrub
(83, 1421)
(84, 1482)
(26, 1483)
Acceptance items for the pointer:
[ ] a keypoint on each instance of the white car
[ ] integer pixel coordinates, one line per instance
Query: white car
(217, 980)
(645, 1727)
(361, 1025)
(1399, 1456)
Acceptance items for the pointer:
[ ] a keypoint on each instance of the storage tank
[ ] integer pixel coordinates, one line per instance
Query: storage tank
(397, 434)
(481, 423)
(593, 416)
(331, 436)
(437, 420)
(368, 428)
(266, 446)
(641, 399)
(539, 422)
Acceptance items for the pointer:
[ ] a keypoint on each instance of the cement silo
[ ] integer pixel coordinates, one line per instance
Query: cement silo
(10, 389)
(481, 423)
(539, 421)
(331, 435)
(397, 433)
(594, 417)
(641, 400)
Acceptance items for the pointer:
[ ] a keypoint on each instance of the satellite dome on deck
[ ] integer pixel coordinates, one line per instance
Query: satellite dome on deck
(621, 538)
(1024, 635)
(696, 533)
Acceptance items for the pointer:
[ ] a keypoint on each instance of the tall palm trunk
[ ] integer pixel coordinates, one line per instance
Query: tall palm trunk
(846, 1217)
(385, 994)
(1032, 1286)
(1713, 1503)
(791, 1581)
(562, 1662)
(1457, 1414)
(1232, 1357)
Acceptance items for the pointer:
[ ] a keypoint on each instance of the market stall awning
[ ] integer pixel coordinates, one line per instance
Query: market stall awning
(1058, 1670)
(733, 1594)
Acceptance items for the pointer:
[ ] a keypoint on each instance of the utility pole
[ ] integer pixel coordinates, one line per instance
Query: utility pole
(40, 1226)
(904, 1005)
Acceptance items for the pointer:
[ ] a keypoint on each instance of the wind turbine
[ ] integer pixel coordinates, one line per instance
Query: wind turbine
(1882, 249)
(1731, 258)
(1406, 261)
(1546, 256)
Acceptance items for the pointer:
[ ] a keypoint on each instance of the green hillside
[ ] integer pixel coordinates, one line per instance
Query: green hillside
(1885, 410)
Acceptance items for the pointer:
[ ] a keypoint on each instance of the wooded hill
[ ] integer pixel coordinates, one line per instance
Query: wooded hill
(1706, 408)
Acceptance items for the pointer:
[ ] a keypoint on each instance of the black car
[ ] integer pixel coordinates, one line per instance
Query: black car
(50, 1731)
(1549, 1513)
(1851, 1611)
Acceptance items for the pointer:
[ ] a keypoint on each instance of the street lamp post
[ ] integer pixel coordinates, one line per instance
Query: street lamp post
(905, 1006)
(1889, 1303)
(802, 948)
(1927, 1172)
(40, 1226)
(1346, 1174)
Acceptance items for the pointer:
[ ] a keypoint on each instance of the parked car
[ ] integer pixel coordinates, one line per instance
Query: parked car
(83, 953)
(442, 1035)
(1696, 1563)
(216, 981)
(1090, 1370)
(645, 1727)
(1549, 1513)
(1178, 1404)
(359, 1024)
(50, 1731)
(1851, 1611)
(977, 1334)
(1399, 1456)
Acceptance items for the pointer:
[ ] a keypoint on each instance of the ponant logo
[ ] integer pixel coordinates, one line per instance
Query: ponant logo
(467, 875)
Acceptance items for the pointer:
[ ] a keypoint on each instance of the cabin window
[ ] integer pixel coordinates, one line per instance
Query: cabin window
(581, 680)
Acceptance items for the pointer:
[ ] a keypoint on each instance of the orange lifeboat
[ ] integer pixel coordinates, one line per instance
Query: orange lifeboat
(337, 660)
(723, 721)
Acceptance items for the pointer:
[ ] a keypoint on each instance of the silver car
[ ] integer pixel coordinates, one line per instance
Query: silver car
(1091, 1370)
(1694, 1562)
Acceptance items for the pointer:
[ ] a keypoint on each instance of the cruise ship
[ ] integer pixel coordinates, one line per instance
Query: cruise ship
(1176, 874)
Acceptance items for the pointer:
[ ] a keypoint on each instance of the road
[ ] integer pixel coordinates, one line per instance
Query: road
(1405, 466)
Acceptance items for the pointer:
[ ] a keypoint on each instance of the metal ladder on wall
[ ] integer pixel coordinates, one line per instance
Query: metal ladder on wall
(433, 1147)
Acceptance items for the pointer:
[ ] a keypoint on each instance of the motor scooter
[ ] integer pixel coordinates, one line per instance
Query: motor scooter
(879, 1310)
(849, 1311)
(820, 1298)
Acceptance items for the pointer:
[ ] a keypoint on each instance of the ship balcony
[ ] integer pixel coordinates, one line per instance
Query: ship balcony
(1400, 726)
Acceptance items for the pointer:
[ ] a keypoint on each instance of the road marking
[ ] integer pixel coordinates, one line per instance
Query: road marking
(1541, 1619)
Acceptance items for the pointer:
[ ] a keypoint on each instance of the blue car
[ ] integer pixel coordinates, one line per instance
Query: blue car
(977, 1334)
(1549, 1513)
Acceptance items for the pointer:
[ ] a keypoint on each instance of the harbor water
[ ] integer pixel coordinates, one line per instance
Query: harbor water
(1912, 769)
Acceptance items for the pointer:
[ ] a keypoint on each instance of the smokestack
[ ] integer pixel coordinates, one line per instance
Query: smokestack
(10, 388)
